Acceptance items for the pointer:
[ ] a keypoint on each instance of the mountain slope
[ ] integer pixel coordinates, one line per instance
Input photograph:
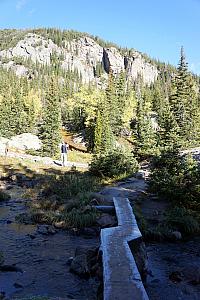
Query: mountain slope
(90, 58)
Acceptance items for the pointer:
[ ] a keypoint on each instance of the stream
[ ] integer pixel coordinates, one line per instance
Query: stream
(40, 260)
(175, 270)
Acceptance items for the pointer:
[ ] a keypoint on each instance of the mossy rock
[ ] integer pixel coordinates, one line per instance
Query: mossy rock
(4, 196)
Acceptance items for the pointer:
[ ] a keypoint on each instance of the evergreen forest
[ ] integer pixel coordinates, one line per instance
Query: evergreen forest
(158, 120)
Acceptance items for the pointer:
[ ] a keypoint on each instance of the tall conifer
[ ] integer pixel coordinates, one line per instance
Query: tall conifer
(51, 126)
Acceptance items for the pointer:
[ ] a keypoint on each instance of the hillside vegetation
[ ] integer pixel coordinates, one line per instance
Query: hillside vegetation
(83, 84)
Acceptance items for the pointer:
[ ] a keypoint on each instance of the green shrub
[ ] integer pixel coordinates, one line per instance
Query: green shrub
(115, 163)
(176, 178)
(65, 198)
(70, 185)
(79, 218)
(183, 220)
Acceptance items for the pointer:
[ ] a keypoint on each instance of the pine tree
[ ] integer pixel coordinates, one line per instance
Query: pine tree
(106, 120)
(98, 133)
(103, 137)
(168, 136)
(145, 135)
(51, 125)
(5, 120)
(183, 102)
(120, 98)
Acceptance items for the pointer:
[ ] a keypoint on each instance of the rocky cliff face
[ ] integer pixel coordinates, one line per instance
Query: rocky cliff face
(84, 55)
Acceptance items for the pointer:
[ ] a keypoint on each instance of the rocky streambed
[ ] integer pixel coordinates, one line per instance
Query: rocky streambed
(174, 270)
(36, 257)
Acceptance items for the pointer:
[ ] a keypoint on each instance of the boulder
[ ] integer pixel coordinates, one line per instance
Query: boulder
(19, 70)
(141, 174)
(84, 261)
(46, 229)
(59, 225)
(18, 285)
(175, 235)
(100, 199)
(106, 220)
(25, 141)
(79, 266)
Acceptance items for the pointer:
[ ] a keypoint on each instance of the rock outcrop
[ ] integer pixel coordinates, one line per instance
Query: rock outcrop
(34, 47)
(83, 55)
(24, 141)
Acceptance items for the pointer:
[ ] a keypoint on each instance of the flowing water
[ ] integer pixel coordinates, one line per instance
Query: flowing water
(40, 260)
(175, 270)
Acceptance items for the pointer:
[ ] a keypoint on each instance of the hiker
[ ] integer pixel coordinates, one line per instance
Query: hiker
(6, 149)
(64, 150)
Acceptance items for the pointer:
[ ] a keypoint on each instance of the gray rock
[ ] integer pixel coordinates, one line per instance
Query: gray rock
(46, 229)
(79, 265)
(84, 261)
(33, 46)
(176, 235)
(69, 261)
(100, 199)
(106, 220)
(113, 60)
(136, 64)
(18, 285)
(142, 174)
(59, 225)
(25, 141)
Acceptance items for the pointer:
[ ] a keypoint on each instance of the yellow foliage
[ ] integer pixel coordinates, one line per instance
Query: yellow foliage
(87, 100)
(32, 100)
(129, 111)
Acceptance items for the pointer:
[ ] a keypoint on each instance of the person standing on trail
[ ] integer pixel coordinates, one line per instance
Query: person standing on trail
(64, 150)
(6, 149)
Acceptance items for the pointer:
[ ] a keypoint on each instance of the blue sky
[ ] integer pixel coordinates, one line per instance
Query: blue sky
(156, 27)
